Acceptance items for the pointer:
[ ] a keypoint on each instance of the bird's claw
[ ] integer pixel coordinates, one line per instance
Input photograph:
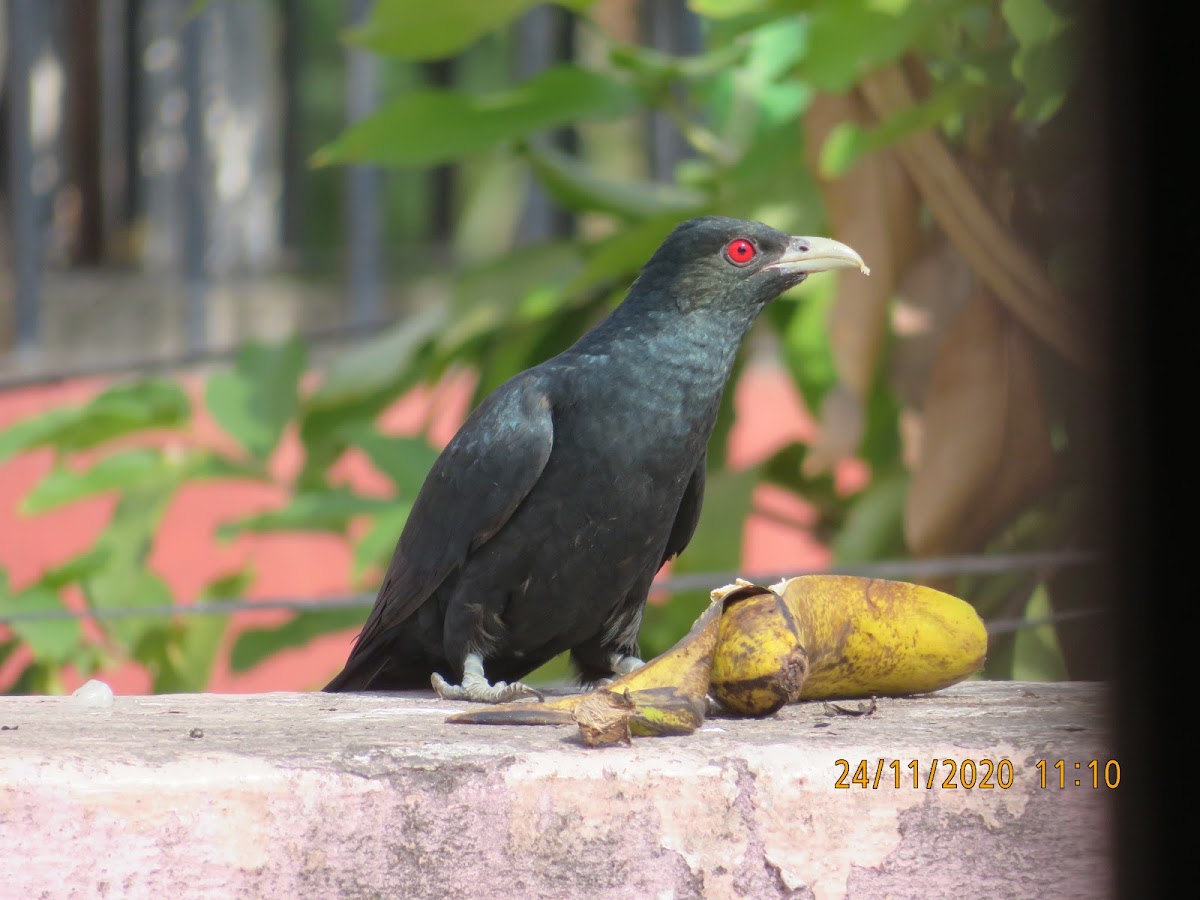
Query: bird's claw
(479, 691)
(623, 665)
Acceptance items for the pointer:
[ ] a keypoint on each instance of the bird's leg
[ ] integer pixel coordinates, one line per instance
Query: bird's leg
(623, 664)
(477, 688)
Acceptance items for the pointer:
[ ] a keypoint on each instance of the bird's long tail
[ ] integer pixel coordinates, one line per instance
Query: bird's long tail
(377, 669)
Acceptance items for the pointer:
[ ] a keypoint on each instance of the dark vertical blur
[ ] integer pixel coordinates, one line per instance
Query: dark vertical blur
(363, 184)
(670, 26)
(86, 146)
(195, 180)
(295, 163)
(443, 179)
(1135, 294)
(24, 17)
(545, 37)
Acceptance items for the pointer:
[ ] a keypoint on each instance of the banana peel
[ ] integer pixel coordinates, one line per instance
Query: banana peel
(756, 648)
(665, 696)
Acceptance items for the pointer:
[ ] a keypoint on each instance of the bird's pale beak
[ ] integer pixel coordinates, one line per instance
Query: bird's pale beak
(817, 254)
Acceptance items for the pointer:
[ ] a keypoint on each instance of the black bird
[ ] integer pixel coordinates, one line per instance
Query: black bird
(543, 522)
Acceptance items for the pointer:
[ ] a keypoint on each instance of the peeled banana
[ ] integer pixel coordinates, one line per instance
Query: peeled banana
(760, 662)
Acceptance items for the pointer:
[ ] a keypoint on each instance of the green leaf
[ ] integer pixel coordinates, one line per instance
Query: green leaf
(205, 465)
(37, 431)
(418, 31)
(843, 146)
(375, 548)
(1037, 655)
(52, 640)
(771, 171)
(874, 524)
(124, 409)
(195, 652)
(120, 410)
(728, 9)
(880, 445)
(230, 586)
(123, 470)
(1047, 71)
(180, 655)
(328, 510)
(125, 582)
(748, 101)
(513, 349)
(76, 569)
(126, 585)
(718, 441)
(663, 624)
(619, 256)
(786, 469)
(655, 65)
(377, 364)
(359, 385)
(40, 678)
(578, 186)
(776, 47)
(556, 671)
(405, 460)
(431, 126)
(256, 399)
(1032, 22)
(847, 40)
(717, 543)
(256, 644)
(127, 470)
(847, 142)
(7, 648)
(504, 291)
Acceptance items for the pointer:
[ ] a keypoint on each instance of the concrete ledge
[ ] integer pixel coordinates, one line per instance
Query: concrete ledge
(316, 795)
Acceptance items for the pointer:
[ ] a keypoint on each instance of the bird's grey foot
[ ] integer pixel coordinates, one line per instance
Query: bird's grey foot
(620, 665)
(476, 688)
(623, 665)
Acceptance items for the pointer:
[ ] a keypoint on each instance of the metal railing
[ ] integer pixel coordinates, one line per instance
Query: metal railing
(978, 564)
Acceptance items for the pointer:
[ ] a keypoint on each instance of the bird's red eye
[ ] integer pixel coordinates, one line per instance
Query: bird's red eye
(740, 251)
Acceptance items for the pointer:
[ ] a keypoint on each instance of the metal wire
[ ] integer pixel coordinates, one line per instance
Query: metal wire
(979, 564)
(174, 362)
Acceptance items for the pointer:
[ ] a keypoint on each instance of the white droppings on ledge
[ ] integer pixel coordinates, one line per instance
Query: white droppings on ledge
(93, 693)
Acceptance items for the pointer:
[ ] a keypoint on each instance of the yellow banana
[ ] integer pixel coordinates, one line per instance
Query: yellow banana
(868, 636)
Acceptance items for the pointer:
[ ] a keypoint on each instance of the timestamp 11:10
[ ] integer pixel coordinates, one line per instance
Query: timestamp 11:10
(1094, 773)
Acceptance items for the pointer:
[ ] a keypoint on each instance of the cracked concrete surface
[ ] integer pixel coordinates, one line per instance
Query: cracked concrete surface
(316, 795)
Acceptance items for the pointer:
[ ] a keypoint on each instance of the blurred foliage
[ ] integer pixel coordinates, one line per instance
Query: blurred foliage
(941, 138)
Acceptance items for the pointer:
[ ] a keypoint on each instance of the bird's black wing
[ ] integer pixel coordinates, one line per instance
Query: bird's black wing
(689, 513)
(474, 487)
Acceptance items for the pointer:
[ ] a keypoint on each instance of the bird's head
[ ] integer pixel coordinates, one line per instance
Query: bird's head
(731, 263)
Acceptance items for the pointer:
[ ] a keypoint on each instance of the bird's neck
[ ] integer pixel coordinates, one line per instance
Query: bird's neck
(675, 363)
(699, 344)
